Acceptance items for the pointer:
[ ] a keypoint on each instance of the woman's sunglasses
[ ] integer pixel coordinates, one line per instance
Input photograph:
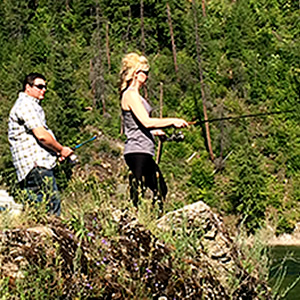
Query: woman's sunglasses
(145, 72)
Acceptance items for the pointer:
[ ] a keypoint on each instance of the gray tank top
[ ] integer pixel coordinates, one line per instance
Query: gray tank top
(139, 138)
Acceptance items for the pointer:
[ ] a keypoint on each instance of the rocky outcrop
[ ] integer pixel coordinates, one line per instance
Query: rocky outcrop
(215, 248)
(285, 239)
(200, 261)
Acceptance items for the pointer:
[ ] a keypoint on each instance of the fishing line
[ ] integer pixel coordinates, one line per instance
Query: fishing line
(199, 122)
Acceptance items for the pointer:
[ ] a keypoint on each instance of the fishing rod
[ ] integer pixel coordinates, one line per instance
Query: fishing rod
(240, 117)
(179, 136)
(73, 159)
(85, 142)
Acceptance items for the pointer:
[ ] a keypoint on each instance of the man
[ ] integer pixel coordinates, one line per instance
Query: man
(33, 145)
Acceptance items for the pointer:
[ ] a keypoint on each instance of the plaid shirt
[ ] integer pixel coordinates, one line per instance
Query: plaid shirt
(27, 152)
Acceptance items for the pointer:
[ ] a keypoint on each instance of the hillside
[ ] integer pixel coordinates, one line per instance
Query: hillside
(227, 59)
(231, 67)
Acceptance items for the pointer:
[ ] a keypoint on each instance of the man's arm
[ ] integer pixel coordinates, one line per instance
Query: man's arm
(46, 139)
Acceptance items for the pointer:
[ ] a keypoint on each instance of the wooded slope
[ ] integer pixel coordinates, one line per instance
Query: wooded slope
(226, 58)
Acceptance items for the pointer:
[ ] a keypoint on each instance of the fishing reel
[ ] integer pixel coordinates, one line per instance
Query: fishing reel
(73, 159)
(174, 137)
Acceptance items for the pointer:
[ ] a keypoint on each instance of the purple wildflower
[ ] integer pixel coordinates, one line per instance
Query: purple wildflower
(89, 286)
(104, 259)
(103, 241)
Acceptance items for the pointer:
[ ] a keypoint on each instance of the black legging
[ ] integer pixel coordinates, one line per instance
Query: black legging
(147, 172)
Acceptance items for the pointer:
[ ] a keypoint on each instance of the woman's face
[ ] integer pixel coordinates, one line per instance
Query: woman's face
(142, 76)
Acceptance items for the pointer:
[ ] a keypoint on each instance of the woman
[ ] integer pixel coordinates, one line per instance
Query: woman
(139, 128)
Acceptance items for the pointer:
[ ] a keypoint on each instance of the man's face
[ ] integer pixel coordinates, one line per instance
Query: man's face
(37, 90)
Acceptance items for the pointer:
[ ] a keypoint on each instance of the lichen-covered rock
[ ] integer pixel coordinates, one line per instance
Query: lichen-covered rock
(215, 249)
(131, 263)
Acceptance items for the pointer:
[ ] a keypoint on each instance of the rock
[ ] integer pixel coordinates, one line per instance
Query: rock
(8, 204)
(133, 259)
(215, 247)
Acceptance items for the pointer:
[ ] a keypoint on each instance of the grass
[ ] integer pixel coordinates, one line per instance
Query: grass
(96, 251)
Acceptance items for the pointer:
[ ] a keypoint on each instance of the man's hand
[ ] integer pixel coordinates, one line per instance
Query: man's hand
(64, 153)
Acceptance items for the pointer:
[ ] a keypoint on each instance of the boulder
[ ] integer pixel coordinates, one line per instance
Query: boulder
(214, 248)
(133, 261)
(8, 204)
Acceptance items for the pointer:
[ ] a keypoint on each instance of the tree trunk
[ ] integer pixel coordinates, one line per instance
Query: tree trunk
(160, 144)
(92, 78)
(68, 5)
(207, 133)
(172, 38)
(126, 37)
(143, 45)
(203, 8)
(98, 67)
(107, 47)
(221, 133)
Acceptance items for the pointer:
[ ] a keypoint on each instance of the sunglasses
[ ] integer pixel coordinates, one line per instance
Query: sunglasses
(145, 72)
(40, 86)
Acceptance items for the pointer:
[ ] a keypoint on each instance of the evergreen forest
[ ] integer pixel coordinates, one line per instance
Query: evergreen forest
(231, 66)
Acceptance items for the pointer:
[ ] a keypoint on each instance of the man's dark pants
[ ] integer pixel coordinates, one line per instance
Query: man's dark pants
(40, 185)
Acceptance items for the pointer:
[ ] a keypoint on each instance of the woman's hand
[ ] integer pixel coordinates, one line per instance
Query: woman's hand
(180, 123)
(158, 132)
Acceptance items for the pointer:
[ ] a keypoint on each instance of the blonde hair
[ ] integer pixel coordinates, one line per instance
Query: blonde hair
(131, 63)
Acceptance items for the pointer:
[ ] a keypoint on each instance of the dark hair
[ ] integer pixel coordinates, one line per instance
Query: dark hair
(29, 79)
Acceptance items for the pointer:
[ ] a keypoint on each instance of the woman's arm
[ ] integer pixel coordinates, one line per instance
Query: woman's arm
(131, 101)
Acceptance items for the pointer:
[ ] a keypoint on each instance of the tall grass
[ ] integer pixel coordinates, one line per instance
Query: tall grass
(84, 259)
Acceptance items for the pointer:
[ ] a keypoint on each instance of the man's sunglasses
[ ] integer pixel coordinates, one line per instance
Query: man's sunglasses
(40, 86)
